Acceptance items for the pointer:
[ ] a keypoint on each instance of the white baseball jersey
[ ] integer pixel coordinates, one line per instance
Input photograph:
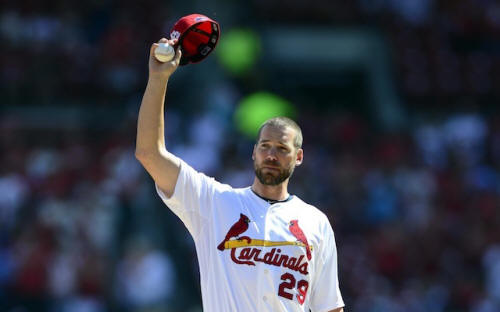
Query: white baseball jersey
(253, 255)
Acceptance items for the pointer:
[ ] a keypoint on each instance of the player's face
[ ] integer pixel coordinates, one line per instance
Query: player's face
(275, 156)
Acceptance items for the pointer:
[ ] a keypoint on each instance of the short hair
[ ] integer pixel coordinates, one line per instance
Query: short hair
(281, 123)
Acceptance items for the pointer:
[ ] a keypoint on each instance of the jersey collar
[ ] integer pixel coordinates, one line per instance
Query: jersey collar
(272, 201)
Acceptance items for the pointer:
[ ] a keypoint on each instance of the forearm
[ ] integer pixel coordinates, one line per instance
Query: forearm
(150, 145)
(151, 125)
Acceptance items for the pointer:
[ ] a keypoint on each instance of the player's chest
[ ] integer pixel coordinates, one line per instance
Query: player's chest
(274, 248)
(277, 235)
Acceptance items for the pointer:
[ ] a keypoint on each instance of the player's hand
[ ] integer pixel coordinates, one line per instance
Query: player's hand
(161, 70)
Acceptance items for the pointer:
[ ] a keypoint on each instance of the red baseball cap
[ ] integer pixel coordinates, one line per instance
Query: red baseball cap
(197, 36)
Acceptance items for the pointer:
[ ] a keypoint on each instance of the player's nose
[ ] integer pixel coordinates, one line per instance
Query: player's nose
(271, 154)
(272, 160)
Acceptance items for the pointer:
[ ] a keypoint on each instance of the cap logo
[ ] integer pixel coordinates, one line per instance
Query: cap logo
(200, 19)
(175, 35)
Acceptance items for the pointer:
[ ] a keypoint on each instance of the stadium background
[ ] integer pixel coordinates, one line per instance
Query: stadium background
(398, 101)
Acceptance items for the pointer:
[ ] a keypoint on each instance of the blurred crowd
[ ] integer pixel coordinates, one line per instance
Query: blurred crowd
(416, 211)
(94, 51)
(416, 214)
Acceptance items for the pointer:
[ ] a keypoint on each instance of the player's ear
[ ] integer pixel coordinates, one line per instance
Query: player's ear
(300, 157)
(253, 152)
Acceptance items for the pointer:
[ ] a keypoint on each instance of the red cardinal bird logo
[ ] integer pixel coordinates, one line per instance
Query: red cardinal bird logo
(299, 235)
(238, 228)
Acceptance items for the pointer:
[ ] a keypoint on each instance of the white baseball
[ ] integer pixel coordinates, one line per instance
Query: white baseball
(164, 52)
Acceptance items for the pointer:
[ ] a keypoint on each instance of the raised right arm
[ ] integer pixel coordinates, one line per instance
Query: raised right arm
(150, 147)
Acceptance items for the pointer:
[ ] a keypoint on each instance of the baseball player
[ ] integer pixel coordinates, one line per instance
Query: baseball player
(259, 248)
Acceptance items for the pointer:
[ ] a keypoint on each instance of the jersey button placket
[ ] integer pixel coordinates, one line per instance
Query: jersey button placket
(264, 271)
(261, 280)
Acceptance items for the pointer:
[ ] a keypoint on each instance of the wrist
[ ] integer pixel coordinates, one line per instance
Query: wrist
(158, 79)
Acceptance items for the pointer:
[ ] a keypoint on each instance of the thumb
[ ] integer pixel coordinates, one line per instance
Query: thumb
(153, 48)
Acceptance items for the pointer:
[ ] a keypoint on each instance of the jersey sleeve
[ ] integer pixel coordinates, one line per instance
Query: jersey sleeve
(326, 292)
(192, 199)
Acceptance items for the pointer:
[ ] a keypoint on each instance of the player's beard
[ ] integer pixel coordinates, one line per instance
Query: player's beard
(269, 178)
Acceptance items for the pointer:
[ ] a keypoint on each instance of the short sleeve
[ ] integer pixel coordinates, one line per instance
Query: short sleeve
(326, 294)
(192, 198)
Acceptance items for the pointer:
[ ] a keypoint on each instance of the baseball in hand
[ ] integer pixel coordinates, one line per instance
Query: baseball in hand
(164, 52)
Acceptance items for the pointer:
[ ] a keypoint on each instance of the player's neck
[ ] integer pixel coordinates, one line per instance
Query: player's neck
(274, 192)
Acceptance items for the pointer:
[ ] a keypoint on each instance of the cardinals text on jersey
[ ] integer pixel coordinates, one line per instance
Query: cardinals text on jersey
(250, 256)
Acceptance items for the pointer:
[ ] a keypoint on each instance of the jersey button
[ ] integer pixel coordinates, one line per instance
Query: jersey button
(266, 271)
(264, 298)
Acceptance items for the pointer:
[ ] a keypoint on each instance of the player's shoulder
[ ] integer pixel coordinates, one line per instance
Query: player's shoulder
(194, 173)
(243, 191)
(310, 210)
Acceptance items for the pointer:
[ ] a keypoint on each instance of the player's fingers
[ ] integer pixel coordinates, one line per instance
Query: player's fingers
(178, 55)
(172, 42)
